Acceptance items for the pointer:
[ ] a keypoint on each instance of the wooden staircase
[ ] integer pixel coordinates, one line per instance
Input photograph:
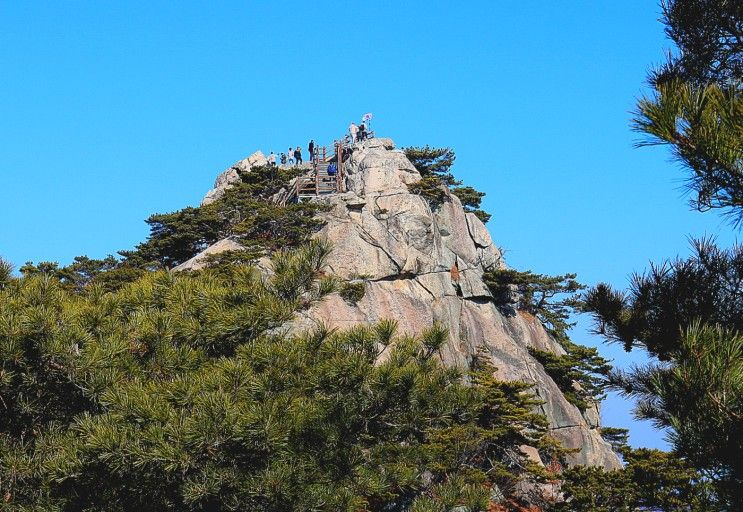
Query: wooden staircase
(318, 182)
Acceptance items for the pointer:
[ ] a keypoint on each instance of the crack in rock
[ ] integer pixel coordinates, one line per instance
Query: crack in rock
(371, 241)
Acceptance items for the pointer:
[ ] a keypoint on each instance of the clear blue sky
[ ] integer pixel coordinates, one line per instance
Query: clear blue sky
(111, 111)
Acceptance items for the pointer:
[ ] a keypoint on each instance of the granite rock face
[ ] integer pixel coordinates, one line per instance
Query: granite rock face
(232, 175)
(202, 259)
(423, 266)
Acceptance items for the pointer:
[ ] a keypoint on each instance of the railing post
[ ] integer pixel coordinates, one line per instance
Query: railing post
(339, 181)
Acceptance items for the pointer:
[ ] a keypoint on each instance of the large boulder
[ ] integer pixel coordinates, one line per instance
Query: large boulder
(202, 259)
(230, 176)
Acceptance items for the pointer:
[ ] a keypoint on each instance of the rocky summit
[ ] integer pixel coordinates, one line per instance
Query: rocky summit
(422, 266)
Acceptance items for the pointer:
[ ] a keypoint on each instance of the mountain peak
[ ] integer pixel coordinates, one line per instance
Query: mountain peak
(423, 265)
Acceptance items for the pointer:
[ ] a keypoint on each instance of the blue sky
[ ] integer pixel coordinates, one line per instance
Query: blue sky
(111, 111)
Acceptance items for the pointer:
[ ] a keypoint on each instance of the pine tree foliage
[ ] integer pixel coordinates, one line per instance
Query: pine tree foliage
(703, 124)
(109, 272)
(618, 438)
(245, 213)
(434, 165)
(687, 312)
(431, 189)
(6, 272)
(699, 399)
(434, 162)
(650, 480)
(353, 292)
(696, 106)
(580, 373)
(663, 302)
(709, 38)
(179, 392)
(471, 200)
(537, 294)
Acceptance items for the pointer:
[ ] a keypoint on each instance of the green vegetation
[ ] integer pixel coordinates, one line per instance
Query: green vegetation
(580, 373)
(663, 302)
(245, 213)
(687, 313)
(697, 104)
(434, 165)
(109, 273)
(434, 162)
(650, 480)
(353, 292)
(172, 394)
(124, 386)
(616, 437)
(535, 294)
(430, 189)
(6, 272)
(471, 200)
(703, 125)
(707, 35)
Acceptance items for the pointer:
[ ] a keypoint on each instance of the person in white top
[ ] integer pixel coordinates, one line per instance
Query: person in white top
(272, 159)
(353, 130)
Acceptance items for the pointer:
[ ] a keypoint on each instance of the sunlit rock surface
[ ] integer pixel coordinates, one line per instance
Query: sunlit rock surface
(422, 266)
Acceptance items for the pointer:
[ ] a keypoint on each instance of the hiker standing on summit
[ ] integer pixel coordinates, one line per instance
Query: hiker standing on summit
(353, 130)
(311, 149)
(298, 156)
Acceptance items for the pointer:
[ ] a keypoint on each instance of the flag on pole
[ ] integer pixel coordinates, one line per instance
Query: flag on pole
(367, 117)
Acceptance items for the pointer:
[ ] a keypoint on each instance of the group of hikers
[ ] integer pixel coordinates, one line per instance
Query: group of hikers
(294, 156)
(357, 133)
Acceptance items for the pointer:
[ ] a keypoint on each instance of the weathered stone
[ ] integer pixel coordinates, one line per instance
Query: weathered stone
(488, 254)
(200, 260)
(378, 142)
(423, 267)
(257, 159)
(532, 454)
(232, 175)
(377, 170)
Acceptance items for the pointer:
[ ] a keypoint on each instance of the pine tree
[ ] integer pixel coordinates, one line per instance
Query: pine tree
(709, 38)
(696, 106)
(580, 372)
(687, 313)
(650, 480)
(434, 165)
(178, 391)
